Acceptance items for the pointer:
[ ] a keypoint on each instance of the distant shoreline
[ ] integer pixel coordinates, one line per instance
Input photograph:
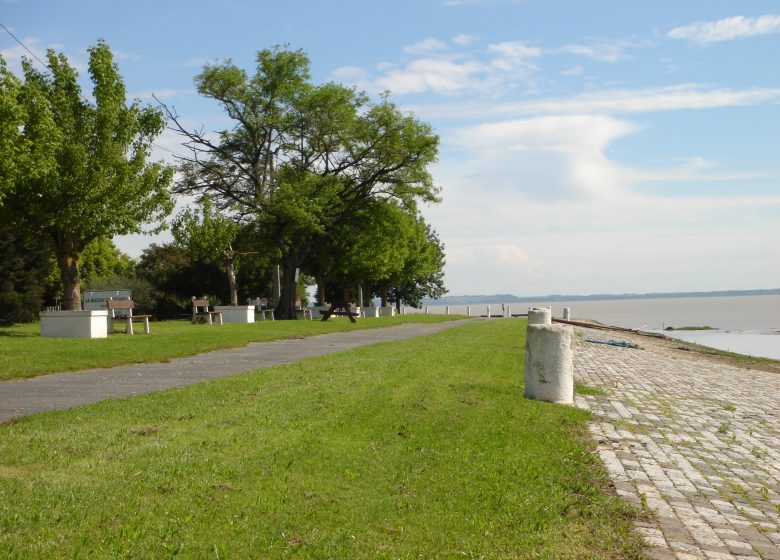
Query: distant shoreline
(510, 298)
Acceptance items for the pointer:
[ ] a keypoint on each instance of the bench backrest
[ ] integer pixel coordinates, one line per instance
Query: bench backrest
(198, 303)
(121, 304)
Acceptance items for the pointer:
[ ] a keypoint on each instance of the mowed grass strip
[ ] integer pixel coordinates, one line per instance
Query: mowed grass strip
(416, 449)
(24, 353)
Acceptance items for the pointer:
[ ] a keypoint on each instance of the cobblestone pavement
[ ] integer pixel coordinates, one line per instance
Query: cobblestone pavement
(696, 443)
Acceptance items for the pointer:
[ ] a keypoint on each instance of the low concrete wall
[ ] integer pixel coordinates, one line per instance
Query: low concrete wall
(549, 369)
(74, 324)
(236, 313)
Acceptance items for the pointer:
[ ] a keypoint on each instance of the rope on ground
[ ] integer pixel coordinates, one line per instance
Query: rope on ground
(620, 343)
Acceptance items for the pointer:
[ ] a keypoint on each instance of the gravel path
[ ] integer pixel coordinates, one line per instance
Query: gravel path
(68, 390)
(697, 443)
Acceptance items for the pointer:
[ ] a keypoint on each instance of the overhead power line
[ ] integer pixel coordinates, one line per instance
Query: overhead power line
(46, 66)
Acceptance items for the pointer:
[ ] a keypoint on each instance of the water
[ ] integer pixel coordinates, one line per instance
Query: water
(745, 324)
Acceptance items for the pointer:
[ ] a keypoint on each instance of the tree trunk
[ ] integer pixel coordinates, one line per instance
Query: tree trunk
(285, 307)
(231, 274)
(321, 299)
(68, 262)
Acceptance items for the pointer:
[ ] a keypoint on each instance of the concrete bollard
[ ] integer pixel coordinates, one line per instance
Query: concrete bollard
(426, 310)
(566, 313)
(447, 312)
(488, 312)
(508, 311)
(539, 316)
(549, 369)
(468, 311)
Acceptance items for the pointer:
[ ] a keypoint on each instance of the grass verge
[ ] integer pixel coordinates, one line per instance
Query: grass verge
(24, 353)
(417, 449)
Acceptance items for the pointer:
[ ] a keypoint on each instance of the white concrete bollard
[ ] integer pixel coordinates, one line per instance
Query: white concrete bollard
(488, 312)
(426, 310)
(539, 316)
(468, 311)
(566, 313)
(447, 312)
(508, 311)
(549, 369)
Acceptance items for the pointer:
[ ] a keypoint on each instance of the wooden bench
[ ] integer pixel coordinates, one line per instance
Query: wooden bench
(200, 308)
(125, 305)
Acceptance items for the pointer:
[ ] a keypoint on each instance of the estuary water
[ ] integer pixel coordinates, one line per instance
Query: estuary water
(744, 324)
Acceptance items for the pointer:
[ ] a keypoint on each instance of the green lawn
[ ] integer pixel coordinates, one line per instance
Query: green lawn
(416, 449)
(23, 353)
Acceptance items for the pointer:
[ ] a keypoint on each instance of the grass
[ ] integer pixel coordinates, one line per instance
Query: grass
(417, 449)
(737, 358)
(24, 353)
(583, 389)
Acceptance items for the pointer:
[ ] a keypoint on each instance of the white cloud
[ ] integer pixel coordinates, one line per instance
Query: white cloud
(349, 74)
(624, 101)
(602, 51)
(464, 40)
(573, 71)
(546, 158)
(426, 46)
(727, 29)
(515, 50)
(447, 74)
(441, 75)
(121, 56)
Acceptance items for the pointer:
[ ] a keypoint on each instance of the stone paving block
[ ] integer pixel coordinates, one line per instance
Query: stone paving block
(700, 441)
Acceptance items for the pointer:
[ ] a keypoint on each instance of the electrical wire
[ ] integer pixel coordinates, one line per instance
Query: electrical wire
(42, 63)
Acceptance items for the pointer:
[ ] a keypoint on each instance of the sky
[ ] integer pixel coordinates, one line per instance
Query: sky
(585, 147)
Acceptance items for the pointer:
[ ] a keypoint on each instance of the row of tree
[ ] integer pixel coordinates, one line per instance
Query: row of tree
(313, 181)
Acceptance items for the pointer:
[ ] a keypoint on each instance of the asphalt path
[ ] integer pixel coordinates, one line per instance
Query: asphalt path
(60, 391)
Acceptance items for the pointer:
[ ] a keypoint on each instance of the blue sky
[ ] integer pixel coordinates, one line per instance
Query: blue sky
(586, 147)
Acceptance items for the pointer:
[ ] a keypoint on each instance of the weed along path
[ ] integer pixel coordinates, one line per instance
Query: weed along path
(62, 391)
(696, 442)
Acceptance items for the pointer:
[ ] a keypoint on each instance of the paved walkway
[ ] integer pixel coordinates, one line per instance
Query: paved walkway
(68, 390)
(697, 443)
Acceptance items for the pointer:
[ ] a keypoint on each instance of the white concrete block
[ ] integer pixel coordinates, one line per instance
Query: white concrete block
(236, 313)
(389, 311)
(549, 369)
(371, 312)
(74, 324)
(540, 316)
(566, 313)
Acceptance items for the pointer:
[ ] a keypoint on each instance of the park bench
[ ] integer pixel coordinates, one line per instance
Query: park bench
(261, 308)
(200, 309)
(126, 305)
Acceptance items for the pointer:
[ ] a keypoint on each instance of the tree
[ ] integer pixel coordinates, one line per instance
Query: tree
(208, 235)
(25, 272)
(175, 278)
(423, 272)
(81, 168)
(102, 259)
(10, 129)
(368, 249)
(301, 159)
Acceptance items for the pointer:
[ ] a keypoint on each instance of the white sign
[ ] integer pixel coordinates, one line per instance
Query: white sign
(97, 299)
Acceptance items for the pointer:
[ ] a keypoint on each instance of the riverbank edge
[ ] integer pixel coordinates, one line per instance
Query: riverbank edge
(680, 348)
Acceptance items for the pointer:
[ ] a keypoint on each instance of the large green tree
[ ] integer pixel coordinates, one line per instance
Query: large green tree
(300, 159)
(81, 169)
